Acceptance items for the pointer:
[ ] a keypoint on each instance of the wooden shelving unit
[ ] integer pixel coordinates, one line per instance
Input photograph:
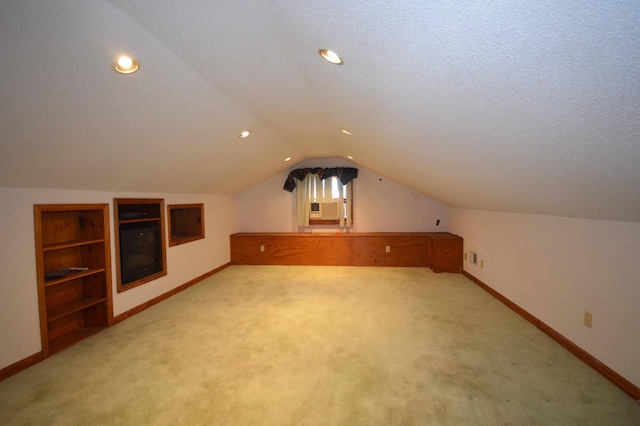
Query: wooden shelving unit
(78, 304)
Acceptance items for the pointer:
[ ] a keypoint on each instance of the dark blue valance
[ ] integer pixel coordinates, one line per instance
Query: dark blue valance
(345, 174)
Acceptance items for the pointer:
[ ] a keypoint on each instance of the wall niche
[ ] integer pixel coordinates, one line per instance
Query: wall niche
(140, 241)
(186, 223)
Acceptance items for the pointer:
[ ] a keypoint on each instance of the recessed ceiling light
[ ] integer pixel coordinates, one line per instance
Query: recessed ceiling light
(331, 56)
(287, 159)
(126, 65)
(244, 134)
(345, 131)
(349, 157)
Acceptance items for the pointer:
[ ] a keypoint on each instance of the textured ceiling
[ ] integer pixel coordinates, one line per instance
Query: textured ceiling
(529, 107)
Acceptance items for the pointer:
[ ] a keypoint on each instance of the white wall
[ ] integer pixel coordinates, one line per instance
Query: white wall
(19, 320)
(557, 268)
(380, 205)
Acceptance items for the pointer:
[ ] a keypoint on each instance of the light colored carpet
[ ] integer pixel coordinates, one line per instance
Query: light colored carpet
(272, 345)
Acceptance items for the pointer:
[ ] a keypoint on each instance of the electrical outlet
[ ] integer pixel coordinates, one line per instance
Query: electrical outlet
(388, 249)
(588, 319)
(262, 249)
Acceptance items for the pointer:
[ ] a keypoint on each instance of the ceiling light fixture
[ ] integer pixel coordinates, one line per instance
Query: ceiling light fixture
(244, 134)
(349, 157)
(331, 56)
(345, 131)
(126, 65)
(287, 159)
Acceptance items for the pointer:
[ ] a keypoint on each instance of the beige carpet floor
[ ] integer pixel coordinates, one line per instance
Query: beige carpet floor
(271, 345)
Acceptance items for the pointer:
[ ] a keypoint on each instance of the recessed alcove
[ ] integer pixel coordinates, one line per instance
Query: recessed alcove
(186, 223)
(140, 242)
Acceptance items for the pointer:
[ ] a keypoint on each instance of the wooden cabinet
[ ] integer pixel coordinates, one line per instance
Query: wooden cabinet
(290, 249)
(73, 259)
(390, 249)
(445, 253)
(442, 252)
(140, 241)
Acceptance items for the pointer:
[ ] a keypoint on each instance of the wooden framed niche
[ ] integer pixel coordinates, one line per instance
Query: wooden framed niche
(141, 255)
(73, 260)
(186, 223)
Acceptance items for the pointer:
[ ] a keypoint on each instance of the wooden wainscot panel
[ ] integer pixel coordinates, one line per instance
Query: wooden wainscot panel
(442, 252)
(408, 250)
(369, 251)
(321, 250)
(244, 247)
(290, 249)
(391, 250)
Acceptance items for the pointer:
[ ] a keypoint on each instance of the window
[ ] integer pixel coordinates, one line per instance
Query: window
(324, 188)
(324, 201)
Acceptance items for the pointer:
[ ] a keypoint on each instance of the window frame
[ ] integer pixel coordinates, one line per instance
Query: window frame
(197, 219)
(344, 200)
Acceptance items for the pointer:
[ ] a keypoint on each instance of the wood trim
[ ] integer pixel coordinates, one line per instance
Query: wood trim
(17, 367)
(42, 303)
(158, 299)
(625, 385)
(35, 358)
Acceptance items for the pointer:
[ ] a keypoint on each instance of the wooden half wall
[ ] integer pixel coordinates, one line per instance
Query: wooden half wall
(442, 252)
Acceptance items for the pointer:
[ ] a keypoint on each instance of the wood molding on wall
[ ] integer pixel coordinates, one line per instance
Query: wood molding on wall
(158, 299)
(37, 357)
(625, 385)
(21, 365)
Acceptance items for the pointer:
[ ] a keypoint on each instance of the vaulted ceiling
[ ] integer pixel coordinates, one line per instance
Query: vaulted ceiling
(518, 106)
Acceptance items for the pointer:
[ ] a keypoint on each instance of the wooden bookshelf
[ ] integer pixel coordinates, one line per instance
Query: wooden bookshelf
(77, 304)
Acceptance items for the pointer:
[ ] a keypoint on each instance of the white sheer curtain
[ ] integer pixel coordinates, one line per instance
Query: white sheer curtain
(348, 205)
(340, 191)
(304, 190)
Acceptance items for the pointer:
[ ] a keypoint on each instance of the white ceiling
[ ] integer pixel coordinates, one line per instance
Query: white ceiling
(515, 106)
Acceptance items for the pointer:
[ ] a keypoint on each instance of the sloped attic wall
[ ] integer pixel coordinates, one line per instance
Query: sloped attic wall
(556, 268)
(380, 205)
(19, 317)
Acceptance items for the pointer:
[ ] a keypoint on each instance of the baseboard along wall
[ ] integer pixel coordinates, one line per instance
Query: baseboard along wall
(155, 300)
(622, 383)
(626, 386)
(37, 357)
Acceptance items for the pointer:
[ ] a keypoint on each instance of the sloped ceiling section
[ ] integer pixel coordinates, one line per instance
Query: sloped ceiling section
(529, 107)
